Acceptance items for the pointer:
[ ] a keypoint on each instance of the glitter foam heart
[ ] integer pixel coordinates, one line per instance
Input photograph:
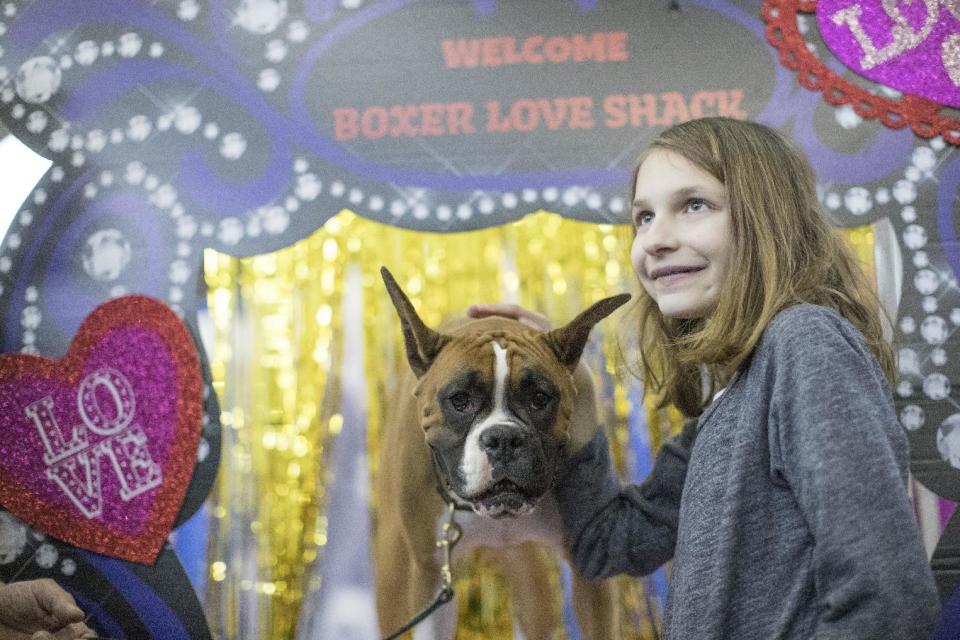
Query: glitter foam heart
(97, 449)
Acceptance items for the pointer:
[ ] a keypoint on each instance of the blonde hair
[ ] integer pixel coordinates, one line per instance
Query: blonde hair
(785, 252)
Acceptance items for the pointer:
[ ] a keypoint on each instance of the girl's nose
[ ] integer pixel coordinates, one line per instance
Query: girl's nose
(659, 236)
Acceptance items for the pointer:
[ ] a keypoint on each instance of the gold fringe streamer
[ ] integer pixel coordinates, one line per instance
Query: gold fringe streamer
(276, 361)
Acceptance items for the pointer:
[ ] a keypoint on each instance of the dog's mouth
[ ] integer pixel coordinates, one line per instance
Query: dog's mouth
(502, 499)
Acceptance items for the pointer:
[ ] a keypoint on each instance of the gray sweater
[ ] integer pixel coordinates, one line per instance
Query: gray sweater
(784, 507)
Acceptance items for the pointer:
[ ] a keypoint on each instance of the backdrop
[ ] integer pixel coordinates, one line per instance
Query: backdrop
(420, 135)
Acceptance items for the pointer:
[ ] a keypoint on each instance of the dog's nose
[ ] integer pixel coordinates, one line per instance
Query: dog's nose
(501, 443)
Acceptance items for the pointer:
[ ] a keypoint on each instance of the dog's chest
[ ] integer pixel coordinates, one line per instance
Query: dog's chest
(542, 526)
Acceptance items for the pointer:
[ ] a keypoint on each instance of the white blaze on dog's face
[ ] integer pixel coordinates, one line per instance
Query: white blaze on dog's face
(495, 408)
(492, 439)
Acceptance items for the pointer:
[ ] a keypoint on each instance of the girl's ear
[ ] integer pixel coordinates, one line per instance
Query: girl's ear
(568, 341)
(422, 343)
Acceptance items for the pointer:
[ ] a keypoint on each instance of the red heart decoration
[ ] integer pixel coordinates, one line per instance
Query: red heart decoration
(924, 116)
(97, 449)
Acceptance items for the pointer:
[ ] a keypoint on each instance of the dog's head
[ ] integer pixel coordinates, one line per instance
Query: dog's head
(494, 399)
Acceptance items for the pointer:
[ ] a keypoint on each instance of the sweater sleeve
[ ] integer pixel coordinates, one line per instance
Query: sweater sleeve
(613, 529)
(836, 442)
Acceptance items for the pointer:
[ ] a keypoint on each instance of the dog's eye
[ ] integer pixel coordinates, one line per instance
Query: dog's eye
(460, 401)
(540, 400)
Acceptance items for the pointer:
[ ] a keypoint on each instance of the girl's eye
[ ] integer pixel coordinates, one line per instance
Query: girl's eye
(539, 400)
(460, 401)
(643, 218)
(696, 205)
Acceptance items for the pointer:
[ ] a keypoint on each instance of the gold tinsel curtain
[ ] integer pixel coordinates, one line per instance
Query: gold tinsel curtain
(277, 360)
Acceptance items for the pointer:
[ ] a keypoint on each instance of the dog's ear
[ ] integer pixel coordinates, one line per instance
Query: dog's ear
(422, 343)
(569, 340)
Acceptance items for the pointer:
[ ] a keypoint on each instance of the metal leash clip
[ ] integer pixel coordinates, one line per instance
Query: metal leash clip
(450, 534)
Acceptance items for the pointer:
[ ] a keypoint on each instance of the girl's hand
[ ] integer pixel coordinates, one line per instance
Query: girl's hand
(584, 421)
(532, 319)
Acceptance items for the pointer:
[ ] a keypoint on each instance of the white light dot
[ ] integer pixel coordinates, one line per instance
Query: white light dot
(938, 356)
(268, 80)
(904, 191)
(298, 31)
(68, 567)
(926, 281)
(847, 118)
(914, 236)
(911, 417)
(936, 386)
(924, 158)
(276, 51)
(509, 200)
(857, 201)
(934, 330)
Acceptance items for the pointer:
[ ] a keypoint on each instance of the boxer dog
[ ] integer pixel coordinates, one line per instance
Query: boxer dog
(483, 422)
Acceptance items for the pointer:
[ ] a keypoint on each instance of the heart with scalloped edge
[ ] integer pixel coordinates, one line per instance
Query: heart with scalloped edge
(97, 449)
(907, 46)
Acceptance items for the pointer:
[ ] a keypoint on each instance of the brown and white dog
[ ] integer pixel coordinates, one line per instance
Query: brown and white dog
(492, 405)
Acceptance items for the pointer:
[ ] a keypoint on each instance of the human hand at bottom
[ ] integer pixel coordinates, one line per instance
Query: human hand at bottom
(39, 610)
(584, 421)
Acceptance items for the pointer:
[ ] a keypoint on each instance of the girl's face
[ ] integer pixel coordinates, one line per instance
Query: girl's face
(684, 239)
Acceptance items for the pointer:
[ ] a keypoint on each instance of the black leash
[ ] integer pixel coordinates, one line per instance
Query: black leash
(450, 534)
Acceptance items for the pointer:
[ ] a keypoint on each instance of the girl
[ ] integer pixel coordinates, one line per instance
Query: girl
(784, 505)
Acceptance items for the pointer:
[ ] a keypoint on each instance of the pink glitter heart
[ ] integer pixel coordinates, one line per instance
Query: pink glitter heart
(97, 449)
(909, 49)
